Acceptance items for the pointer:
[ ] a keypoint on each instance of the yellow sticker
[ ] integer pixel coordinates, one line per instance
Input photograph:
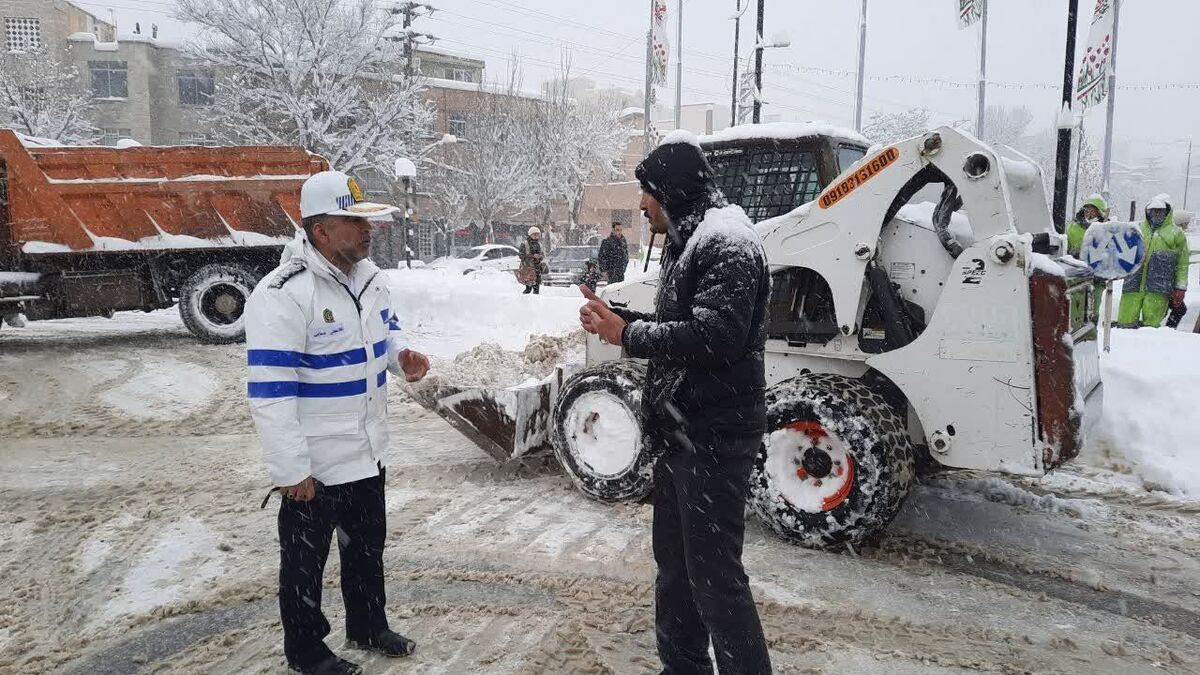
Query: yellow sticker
(865, 172)
(355, 191)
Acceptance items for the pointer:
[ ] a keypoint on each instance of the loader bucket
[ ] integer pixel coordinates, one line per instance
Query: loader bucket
(505, 423)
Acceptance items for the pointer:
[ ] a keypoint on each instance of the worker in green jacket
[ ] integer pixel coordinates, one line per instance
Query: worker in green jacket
(1094, 209)
(1149, 293)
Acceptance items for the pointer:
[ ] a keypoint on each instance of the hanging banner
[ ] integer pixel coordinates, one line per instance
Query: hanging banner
(1092, 88)
(969, 12)
(659, 44)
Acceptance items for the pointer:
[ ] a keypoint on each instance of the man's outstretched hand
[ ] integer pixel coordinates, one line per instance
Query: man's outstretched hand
(598, 319)
(414, 364)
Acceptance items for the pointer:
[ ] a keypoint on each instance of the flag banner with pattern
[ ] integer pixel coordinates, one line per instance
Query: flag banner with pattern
(969, 12)
(1092, 86)
(660, 45)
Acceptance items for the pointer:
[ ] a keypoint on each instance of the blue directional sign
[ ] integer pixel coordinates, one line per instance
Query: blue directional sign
(1113, 250)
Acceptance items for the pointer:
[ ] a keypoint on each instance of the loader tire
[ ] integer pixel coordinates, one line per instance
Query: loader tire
(837, 463)
(604, 401)
(212, 302)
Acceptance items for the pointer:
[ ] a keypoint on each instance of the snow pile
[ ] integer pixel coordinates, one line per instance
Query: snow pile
(783, 131)
(921, 215)
(1151, 392)
(680, 136)
(489, 365)
(445, 313)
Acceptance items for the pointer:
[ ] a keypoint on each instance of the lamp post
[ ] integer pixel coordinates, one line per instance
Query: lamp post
(406, 170)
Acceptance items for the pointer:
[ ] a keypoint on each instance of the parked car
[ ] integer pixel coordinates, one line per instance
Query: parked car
(567, 263)
(488, 256)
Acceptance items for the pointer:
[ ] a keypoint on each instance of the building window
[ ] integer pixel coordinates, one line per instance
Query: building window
(195, 88)
(110, 79)
(459, 75)
(111, 136)
(22, 34)
(196, 138)
(457, 124)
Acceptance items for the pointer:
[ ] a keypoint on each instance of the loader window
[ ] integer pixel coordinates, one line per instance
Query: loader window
(765, 181)
(848, 155)
(801, 309)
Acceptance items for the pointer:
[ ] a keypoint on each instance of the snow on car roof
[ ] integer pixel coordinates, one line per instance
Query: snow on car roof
(782, 131)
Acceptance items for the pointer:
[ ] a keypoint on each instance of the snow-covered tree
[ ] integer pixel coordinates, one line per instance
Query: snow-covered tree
(322, 74)
(40, 95)
(889, 127)
(497, 162)
(578, 142)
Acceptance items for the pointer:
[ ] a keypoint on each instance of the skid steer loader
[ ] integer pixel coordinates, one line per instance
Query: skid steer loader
(955, 333)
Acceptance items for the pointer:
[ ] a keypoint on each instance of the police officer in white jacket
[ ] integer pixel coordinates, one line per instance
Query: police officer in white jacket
(321, 338)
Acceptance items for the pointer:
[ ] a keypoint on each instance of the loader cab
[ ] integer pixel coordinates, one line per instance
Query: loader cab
(768, 173)
(770, 170)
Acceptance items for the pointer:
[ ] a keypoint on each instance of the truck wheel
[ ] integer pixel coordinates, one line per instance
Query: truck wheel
(212, 300)
(597, 433)
(837, 463)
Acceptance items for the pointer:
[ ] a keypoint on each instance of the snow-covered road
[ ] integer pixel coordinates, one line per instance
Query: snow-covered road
(132, 539)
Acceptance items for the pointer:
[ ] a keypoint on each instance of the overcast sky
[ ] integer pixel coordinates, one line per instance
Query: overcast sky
(908, 38)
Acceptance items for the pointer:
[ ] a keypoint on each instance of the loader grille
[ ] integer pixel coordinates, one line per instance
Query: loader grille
(766, 181)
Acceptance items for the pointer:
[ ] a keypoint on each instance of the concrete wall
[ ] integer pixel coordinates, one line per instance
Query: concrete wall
(57, 18)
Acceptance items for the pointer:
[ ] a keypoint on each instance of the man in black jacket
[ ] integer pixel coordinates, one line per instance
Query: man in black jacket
(705, 408)
(614, 255)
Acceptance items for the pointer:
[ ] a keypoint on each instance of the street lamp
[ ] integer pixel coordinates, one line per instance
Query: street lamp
(406, 170)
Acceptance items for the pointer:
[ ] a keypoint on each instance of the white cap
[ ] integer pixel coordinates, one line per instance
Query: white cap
(333, 193)
(534, 230)
(1160, 201)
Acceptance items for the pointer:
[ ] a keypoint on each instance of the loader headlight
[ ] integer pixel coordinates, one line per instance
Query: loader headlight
(977, 165)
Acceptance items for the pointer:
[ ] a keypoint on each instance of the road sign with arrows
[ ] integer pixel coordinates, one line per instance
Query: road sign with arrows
(1113, 250)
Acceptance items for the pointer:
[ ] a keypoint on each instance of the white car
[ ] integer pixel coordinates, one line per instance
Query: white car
(486, 257)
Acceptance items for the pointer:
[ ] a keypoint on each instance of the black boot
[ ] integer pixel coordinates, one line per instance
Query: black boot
(330, 666)
(388, 643)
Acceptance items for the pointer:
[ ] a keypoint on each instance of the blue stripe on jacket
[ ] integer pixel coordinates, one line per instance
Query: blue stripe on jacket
(306, 389)
(286, 359)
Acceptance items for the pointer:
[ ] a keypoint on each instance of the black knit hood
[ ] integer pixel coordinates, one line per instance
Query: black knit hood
(681, 179)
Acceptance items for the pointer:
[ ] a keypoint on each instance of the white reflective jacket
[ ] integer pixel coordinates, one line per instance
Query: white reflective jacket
(319, 351)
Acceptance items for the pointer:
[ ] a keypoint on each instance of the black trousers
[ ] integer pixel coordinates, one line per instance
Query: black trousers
(356, 511)
(702, 591)
(616, 276)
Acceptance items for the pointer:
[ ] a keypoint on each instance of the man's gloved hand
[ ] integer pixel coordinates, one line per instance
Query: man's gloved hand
(1177, 297)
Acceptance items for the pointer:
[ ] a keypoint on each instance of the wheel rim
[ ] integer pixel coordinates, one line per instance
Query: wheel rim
(222, 304)
(603, 434)
(812, 467)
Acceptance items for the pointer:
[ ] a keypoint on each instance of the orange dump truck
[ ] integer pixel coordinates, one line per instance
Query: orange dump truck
(88, 231)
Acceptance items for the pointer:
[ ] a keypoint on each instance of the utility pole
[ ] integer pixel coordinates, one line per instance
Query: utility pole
(649, 85)
(410, 10)
(862, 64)
(737, 37)
(679, 69)
(1112, 101)
(1187, 176)
(758, 56)
(1062, 166)
(983, 36)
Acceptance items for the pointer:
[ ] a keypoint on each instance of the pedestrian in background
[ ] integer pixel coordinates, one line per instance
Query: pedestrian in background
(533, 263)
(614, 255)
(321, 337)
